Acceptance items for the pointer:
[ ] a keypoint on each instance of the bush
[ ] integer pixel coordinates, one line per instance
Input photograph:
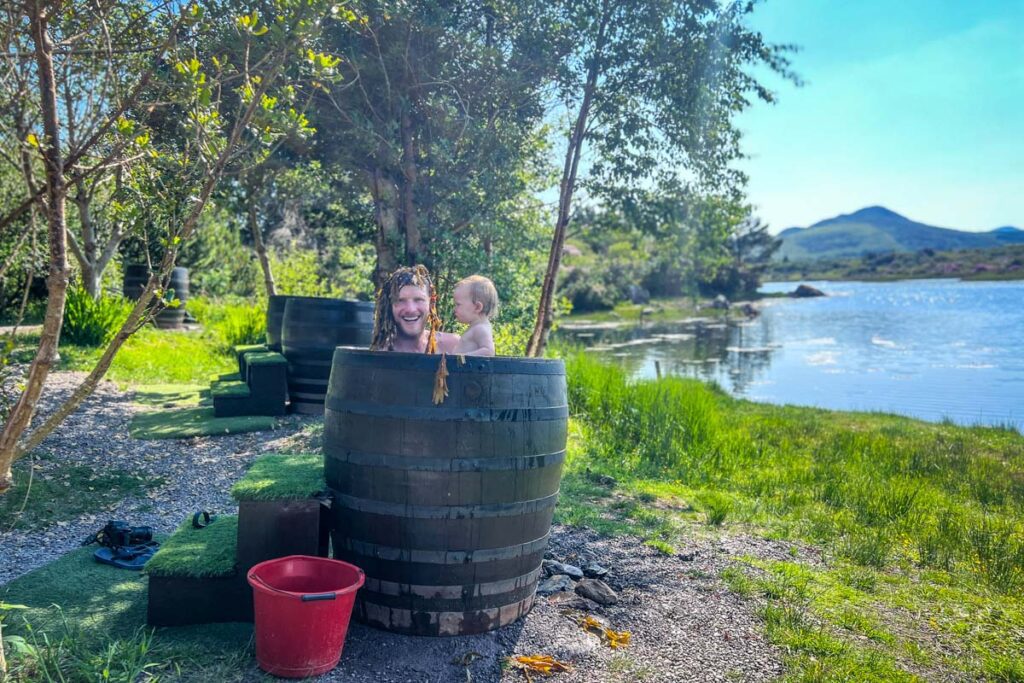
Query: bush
(243, 325)
(92, 322)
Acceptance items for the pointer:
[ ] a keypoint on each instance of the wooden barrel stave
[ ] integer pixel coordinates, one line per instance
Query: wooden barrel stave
(137, 276)
(311, 329)
(446, 508)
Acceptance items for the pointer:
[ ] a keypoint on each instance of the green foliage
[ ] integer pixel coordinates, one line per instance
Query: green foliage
(242, 325)
(973, 264)
(220, 264)
(209, 551)
(68, 655)
(281, 477)
(301, 272)
(92, 322)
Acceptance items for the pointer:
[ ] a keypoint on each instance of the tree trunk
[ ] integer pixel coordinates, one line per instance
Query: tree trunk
(257, 240)
(413, 237)
(545, 307)
(57, 279)
(389, 236)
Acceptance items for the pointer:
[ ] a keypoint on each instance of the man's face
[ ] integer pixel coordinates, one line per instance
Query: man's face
(410, 310)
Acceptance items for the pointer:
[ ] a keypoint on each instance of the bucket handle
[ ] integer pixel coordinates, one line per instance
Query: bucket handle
(312, 597)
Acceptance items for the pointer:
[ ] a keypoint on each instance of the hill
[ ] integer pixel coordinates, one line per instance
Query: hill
(876, 229)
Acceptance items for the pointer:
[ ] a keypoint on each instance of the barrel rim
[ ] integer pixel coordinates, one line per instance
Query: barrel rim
(368, 305)
(402, 360)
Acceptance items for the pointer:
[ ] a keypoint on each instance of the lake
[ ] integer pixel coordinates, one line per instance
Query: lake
(933, 349)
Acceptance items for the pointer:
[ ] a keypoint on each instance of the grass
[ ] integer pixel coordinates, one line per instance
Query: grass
(61, 491)
(182, 423)
(196, 553)
(86, 621)
(907, 512)
(282, 477)
(151, 356)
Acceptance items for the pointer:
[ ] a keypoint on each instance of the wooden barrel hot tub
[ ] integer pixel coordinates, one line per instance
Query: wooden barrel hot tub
(135, 279)
(311, 329)
(275, 319)
(446, 508)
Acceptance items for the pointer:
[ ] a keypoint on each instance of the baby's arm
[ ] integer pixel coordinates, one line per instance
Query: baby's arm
(478, 341)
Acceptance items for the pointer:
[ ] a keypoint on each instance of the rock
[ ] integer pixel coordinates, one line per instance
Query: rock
(573, 601)
(750, 310)
(555, 584)
(637, 294)
(720, 302)
(687, 557)
(593, 570)
(598, 591)
(554, 567)
(806, 291)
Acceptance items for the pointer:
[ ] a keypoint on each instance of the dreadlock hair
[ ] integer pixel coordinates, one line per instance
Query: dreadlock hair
(384, 327)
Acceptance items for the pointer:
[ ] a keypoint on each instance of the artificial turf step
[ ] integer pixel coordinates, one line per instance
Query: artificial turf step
(280, 509)
(197, 553)
(184, 423)
(243, 351)
(230, 389)
(194, 577)
(281, 477)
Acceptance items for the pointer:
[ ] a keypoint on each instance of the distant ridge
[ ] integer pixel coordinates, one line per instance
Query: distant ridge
(876, 229)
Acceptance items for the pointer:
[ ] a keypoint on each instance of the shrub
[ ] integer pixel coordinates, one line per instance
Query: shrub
(92, 322)
(242, 325)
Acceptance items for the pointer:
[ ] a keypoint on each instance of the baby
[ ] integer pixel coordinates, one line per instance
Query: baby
(476, 302)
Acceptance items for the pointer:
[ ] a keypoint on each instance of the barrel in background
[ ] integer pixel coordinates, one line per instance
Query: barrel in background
(446, 508)
(311, 329)
(135, 279)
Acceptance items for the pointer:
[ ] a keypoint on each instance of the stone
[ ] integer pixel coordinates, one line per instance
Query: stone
(573, 601)
(720, 302)
(553, 567)
(555, 584)
(805, 291)
(593, 570)
(597, 590)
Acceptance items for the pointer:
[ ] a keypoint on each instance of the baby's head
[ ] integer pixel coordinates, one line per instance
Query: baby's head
(475, 299)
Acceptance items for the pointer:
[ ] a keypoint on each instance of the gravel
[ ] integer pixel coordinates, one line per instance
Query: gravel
(684, 624)
(197, 473)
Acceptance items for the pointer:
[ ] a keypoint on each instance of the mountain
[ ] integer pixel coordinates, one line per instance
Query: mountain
(877, 229)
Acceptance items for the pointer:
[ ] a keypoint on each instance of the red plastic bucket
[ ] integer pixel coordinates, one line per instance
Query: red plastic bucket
(302, 607)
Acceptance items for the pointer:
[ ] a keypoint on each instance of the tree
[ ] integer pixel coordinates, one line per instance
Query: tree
(438, 115)
(222, 109)
(649, 90)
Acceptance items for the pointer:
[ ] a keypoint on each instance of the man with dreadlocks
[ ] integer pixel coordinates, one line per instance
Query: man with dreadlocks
(406, 305)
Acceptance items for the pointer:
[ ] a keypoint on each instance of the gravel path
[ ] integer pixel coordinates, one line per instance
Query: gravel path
(684, 625)
(197, 472)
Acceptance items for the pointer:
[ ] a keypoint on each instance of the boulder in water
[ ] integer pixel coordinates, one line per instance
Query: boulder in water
(806, 291)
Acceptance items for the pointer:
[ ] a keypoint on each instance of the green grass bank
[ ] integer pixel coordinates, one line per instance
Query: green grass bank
(920, 526)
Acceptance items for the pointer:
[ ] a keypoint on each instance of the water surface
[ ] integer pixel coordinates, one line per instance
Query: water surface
(934, 349)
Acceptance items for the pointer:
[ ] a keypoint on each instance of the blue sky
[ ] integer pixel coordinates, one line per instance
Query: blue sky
(917, 105)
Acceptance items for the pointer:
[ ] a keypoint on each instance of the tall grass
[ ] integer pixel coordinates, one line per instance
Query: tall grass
(92, 322)
(876, 489)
